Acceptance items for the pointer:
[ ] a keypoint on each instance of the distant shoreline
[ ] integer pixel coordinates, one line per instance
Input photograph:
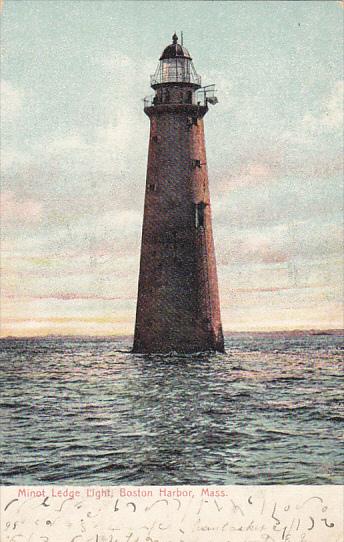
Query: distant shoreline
(227, 334)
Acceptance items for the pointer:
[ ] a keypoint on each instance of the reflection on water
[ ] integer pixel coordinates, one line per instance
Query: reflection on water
(90, 412)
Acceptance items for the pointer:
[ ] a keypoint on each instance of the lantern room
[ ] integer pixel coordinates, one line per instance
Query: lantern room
(175, 66)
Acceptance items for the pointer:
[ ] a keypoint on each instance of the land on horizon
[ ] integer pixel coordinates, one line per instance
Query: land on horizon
(227, 334)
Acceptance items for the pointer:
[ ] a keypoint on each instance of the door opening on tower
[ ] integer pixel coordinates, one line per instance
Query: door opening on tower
(199, 214)
(178, 307)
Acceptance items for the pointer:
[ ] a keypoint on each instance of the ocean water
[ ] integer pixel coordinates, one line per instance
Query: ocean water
(87, 411)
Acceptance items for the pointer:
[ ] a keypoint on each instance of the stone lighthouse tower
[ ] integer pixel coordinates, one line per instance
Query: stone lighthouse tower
(178, 302)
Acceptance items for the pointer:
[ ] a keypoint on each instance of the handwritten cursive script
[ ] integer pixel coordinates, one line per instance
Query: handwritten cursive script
(172, 514)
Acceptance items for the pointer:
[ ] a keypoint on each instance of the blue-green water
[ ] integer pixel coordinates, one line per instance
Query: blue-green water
(87, 411)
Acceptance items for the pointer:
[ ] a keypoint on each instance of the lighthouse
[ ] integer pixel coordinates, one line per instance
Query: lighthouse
(178, 306)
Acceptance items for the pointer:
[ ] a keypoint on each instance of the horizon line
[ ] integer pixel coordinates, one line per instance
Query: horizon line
(313, 331)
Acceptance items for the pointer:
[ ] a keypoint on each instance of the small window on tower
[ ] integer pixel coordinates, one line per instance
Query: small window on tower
(199, 214)
(191, 121)
(152, 187)
(189, 97)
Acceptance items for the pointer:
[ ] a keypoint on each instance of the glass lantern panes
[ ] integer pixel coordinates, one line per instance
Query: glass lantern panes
(175, 70)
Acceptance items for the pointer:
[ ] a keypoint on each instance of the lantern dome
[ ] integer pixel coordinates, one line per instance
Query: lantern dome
(175, 50)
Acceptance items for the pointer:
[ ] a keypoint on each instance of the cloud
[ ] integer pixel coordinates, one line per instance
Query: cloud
(13, 159)
(328, 120)
(332, 115)
(284, 243)
(260, 195)
(11, 101)
(255, 168)
(71, 297)
(250, 173)
(14, 209)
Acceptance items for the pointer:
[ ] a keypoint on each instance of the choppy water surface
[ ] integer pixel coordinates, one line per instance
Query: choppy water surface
(87, 411)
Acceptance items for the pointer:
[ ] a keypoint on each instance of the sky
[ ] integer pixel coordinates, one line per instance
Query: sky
(74, 154)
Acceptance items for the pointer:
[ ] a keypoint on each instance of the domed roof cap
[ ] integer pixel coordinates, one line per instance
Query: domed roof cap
(175, 50)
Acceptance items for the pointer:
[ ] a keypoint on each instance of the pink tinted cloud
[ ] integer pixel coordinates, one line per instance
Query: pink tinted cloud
(272, 289)
(69, 297)
(269, 167)
(14, 209)
(255, 248)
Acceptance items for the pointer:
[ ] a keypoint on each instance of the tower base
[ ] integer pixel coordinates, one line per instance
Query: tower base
(214, 344)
